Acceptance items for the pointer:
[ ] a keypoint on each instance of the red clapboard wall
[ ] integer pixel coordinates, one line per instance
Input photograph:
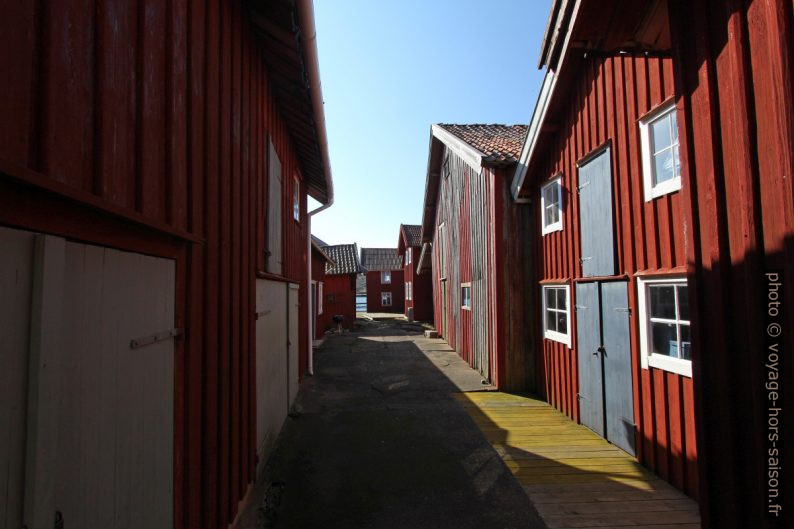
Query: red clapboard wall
(144, 126)
(605, 99)
(733, 67)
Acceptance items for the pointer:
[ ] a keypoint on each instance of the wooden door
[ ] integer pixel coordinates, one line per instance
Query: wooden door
(444, 311)
(596, 215)
(588, 344)
(293, 344)
(272, 390)
(98, 381)
(606, 403)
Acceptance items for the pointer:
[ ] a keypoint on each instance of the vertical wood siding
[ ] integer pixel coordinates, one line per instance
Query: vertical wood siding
(340, 298)
(375, 288)
(605, 103)
(734, 80)
(161, 112)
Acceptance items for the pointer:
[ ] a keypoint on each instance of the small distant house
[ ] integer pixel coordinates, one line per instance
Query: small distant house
(480, 283)
(385, 279)
(320, 260)
(418, 288)
(338, 296)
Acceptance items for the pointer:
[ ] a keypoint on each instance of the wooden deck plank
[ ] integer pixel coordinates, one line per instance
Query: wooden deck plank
(575, 478)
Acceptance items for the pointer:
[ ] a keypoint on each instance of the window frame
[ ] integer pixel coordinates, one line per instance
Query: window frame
(383, 297)
(669, 186)
(648, 359)
(385, 277)
(409, 291)
(296, 201)
(554, 226)
(463, 298)
(555, 335)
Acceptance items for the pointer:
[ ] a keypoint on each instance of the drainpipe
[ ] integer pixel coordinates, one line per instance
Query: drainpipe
(308, 42)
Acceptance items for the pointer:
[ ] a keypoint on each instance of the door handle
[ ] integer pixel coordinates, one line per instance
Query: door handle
(599, 350)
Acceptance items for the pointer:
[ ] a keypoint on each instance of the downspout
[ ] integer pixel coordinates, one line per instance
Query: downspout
(308, 40)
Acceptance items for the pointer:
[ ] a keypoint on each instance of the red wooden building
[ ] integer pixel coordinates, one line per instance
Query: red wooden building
(385, 279)
(155, 162)
(480, 283)
(338, 293)
(655, 167)
(319, 260)
(418, 287)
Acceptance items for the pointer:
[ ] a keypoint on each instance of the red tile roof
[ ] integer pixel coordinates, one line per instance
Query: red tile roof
(499, 143)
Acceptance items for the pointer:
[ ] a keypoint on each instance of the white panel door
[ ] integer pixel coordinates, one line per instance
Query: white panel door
(271, 363)
(100, 410)
(16, 263)
(293, 343)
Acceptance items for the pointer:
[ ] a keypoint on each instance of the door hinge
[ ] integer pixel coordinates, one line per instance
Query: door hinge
(154, 338)
(579, 396)
(261, 313)
(579, 307)
(623, 309)
(583, 259)
(580, 187)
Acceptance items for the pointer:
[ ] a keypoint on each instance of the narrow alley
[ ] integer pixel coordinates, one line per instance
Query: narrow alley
(396, 430)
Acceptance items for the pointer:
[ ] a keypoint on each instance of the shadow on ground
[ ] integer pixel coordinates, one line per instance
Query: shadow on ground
(383, 439)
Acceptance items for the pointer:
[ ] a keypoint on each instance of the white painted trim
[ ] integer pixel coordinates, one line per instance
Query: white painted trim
(555, 226)
(466, 152)
(650, 191)
(673, 365)
(554, 335)
(391, 299)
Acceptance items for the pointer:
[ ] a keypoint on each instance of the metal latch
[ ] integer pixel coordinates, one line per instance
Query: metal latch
(154, 338)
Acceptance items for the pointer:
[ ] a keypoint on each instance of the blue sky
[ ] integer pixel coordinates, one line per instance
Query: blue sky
(389, 71)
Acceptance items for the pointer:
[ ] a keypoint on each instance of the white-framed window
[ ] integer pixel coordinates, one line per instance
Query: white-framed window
(661, 165)
(665, 335)
(296, 199)
(409, 291)
(556, 313)
(465, 296)
(407, 256)
(385, 299)
(551, 206)
(385, 277)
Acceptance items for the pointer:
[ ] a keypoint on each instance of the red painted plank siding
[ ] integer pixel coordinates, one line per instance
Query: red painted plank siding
(158, 112)
(339, 295)
(606, 100)
(375, 288)
(422, 287)
(733, 66)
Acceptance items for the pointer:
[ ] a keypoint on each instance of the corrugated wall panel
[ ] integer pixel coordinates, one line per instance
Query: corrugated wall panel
(161, 111)
(608, 97)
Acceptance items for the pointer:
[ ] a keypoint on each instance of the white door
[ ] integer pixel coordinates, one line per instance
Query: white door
(100, 371)
(293, 343)
(272, 392)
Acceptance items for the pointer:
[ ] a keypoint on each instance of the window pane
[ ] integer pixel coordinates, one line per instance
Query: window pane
(683, 303)
(548, 218)
(660, 133)
(662, 302)
(663, 339)
(674, 125)
(555, 214)
(551, 321)
(663, 167)
(686, 343)
(562, 322)
(561, 298)
(551, 299)
(555, 194)
(676, 160)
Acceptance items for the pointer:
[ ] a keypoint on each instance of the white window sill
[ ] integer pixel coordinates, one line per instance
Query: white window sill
(673, 365)
(665, 188)
(558, 337)
(551, 228)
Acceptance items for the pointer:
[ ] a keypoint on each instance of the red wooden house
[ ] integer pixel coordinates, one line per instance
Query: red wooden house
(318, 281)
(155, 162)
(339, 291)
(479, 282)
(418, 287)
(385, 279)
(655, 167)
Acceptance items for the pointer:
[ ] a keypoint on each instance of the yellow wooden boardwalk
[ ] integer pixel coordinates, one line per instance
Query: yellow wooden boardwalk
(574, 477)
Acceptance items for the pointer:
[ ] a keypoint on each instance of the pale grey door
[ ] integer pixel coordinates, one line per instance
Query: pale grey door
(618, 394)
(588, 332)
(596, 216)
